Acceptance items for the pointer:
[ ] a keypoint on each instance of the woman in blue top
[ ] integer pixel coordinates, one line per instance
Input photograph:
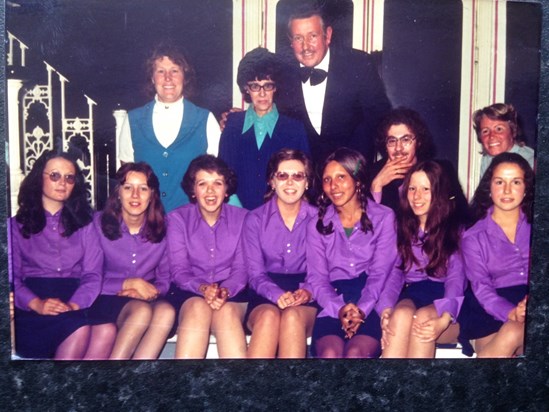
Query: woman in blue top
(251, 137)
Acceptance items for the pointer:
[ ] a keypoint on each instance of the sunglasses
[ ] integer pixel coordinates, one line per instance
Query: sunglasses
(56, 176)
(296, 177)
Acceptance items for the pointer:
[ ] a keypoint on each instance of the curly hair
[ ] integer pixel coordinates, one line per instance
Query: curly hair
(442, 227)
(354, 164)
(76, 212)
(257, 64)
(290, 154)
(172, 52)
(210, 164)
(154, 228)
(425, 148)
(482, 200)
(503, 112)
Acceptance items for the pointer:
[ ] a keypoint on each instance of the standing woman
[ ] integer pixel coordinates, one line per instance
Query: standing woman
(350, 252)
(207, 263)
(169, 131)
(280, 315)
(430, 278)
(132, 234)
(251, 137)
(56, 260)
(496, 254)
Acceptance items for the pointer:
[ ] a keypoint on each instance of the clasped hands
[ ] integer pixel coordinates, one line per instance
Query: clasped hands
(351, 317)
(299, 297)
(138, 288)
(52, 306)
(214, 295)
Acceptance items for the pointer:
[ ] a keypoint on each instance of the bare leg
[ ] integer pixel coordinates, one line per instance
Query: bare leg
(193, 333)
(330, 346)
(153, 341)
(264, 322)
(505, 343)
(296, 324)
(102, 339)
(400, 324)
(228, 330)
(132, 322)
(74, 346)
(362, 346)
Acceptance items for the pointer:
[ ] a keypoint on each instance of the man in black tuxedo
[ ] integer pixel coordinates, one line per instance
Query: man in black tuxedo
(338, 94)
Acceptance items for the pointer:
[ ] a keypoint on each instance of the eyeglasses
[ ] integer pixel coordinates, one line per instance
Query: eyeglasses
(296, 177)
(406, 140)
(311, 38)
(56, 176)
(255, 87)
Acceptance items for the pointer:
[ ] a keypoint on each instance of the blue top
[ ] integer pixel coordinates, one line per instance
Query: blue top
(240, 152)
(169, 163)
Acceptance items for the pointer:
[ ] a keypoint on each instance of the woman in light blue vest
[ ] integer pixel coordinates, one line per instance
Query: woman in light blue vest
(169, 131)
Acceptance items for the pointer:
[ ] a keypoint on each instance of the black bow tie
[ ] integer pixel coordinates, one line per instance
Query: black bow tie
(317, 75)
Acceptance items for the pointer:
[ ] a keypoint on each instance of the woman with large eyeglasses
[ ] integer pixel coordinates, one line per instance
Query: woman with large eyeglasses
(57, 261)
(132, 233)
(403, 139)
(280, 314)
(351, 249)
(251, 137)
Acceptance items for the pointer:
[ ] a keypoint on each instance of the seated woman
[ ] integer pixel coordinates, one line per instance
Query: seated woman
(351, 250)
(136, 272)
(498, 132)
(251, 137)
(403, 139)
(279, 313)
(496, 255)
(207, 263)
(57, 261)
(431, 268)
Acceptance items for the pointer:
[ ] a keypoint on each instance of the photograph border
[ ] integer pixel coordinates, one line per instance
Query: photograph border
(379, 384)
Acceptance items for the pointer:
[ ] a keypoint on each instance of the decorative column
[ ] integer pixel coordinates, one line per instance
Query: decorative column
(368, 25)
(15, 169)
(482, 77)
(119, 117)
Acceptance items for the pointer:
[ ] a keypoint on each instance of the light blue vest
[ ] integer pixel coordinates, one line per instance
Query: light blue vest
(169, 164)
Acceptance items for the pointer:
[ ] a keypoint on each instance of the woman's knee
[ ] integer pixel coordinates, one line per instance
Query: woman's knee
(265, 315)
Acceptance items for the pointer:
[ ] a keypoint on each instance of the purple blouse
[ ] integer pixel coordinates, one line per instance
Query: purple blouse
(336, 256)
(199, 254)
(454, 283)
(271, 247)
(132, 256)
(492, 261)
(49, 255)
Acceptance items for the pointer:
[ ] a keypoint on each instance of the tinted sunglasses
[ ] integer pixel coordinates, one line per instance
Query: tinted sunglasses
(56, 176)
(296, 177)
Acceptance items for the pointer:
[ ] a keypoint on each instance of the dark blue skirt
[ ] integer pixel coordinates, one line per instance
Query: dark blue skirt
(38, 336)
(351, 290)
(107, 308)
(475, 322)
(422, 293)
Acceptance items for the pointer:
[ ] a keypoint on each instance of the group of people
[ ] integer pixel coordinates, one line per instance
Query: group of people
(280, 226)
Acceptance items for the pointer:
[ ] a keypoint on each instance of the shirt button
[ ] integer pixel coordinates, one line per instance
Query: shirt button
(289, 250)
(352, 265)
(288, 244)
(522, 273)
(59, 269)
(133, 254)
(165, 154)
(165, 174)
(133, 261)
(163, 194)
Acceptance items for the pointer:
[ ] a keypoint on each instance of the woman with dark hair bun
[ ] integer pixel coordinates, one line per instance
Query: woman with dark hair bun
(251, 137)
(422, 297)
(56, 261)
(351, 250)
(496, 255)
(280, 314)
(207, 265)
(132, 233)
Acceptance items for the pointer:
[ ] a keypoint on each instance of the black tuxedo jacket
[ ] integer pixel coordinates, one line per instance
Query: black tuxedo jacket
(354, 103)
